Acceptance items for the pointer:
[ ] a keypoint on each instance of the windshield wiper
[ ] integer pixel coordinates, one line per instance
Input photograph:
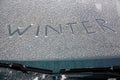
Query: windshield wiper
(105, 73)
(25, 69)
(113, 69)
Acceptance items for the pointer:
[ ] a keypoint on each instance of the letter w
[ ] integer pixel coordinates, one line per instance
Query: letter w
(17, 31)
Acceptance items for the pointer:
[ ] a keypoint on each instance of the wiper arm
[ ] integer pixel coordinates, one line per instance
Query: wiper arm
(25, 69)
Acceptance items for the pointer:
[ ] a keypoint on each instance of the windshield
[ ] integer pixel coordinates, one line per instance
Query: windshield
(59, 34)
(59, 30)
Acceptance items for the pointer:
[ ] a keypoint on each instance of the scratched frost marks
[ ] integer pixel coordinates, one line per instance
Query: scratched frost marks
(85, 24)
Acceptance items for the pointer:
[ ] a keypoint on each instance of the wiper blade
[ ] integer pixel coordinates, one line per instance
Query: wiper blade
(25, 69)
(105, 73)
(113, 69)
(79, 78)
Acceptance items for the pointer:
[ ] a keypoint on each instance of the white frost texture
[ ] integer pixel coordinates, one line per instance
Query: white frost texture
(59, 29)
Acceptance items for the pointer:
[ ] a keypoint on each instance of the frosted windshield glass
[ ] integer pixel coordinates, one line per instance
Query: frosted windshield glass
(59, 29)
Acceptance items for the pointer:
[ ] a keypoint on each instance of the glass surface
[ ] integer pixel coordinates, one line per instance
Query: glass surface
(50, 33)
(59, 29)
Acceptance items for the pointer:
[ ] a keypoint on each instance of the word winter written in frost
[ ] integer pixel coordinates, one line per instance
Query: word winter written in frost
(100, 22)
